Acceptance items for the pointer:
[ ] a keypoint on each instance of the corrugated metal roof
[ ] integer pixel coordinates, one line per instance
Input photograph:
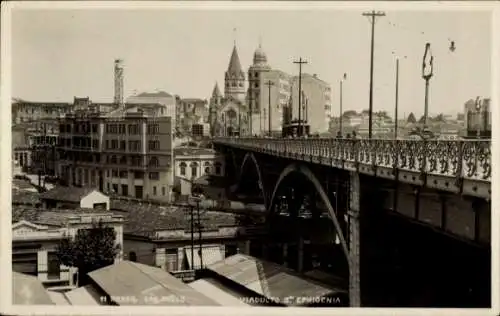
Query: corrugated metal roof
(210, 255)
(58, 298)
(133, 283)
(85, 295)
(221, 294)
(269, 279)
(27, 290)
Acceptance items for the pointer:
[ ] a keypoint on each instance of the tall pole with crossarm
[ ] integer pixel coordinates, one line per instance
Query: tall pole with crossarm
(372, 16)
(269, 84)
(300, 62)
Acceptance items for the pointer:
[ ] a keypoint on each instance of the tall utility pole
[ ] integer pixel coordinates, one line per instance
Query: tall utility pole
(269, 84)
(200, 239)
(192, 236)
(373, 17)
(239, 122)
(396, 101)
(250, 112)
(341, 89)
(300, 62)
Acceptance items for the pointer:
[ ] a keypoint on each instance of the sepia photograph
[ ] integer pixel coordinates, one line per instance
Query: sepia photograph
(248, 155)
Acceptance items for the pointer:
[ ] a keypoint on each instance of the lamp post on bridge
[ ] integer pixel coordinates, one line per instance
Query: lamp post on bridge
(269, 84)
(427, 73)
(478, 104)
(340, 113)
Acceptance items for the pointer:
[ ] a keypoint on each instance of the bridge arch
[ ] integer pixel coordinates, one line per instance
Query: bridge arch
(302, 169)
(250, 158)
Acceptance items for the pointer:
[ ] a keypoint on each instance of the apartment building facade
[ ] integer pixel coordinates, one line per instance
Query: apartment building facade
(127, 152)
(274, 96)
(167, 101)
(28, 111)
(316, 102)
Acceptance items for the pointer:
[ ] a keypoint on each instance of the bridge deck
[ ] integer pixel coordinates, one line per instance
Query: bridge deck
(463, 166)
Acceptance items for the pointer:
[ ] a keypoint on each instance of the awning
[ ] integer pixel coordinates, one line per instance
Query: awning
(211, 254)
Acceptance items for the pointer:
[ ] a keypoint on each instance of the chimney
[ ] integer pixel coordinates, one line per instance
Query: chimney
(118, 99)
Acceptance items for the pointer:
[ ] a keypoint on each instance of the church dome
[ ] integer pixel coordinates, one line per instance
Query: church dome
(259, 57)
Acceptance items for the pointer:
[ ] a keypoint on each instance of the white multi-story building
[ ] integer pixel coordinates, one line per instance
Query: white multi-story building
(316, 102)
(193, 162)
(166, 100)
(128, 151)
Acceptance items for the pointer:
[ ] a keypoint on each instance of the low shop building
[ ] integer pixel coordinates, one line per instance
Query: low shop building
(162, 236)
(75, 197)
(36, 233)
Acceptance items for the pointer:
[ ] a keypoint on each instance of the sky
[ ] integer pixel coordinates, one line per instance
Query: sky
(59, 54)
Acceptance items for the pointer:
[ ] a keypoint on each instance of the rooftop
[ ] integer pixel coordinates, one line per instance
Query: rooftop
(25, 197)
(147, 286)
(27, 290)
(193, 151)
(53, 217)
(159, 94)
(41, 103)
(146, 219)
(271, 280)
(66, 194)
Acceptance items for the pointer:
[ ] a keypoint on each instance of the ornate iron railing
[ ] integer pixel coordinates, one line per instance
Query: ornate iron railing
(468, 159)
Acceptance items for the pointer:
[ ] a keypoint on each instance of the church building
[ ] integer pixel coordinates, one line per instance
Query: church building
(229, 112)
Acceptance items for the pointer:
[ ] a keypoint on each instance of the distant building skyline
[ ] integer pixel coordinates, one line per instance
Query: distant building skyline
(54, 58)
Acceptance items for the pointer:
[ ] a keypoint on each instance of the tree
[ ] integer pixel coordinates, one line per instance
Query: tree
(91, 249)
(411, 118)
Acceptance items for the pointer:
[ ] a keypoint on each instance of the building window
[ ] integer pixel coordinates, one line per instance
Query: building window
(54, 267)
(153, 162)
(207, 170)
(194, 169)
(154, 190)
(124, 174)
(115, 188)
(122, 145)
(154, 175)
(154, 145)
(133, 129)
(163, 191)
(132, 256)
(138, 192)
(113, 159)
(218, 168)
(182, 167)
(153, 129)
(123, 160)
(124, 190)
(138, 175)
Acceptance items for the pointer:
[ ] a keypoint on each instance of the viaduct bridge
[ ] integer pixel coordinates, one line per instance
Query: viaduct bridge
(352, 205)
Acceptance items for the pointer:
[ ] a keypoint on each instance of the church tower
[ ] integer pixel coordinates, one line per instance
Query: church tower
(255, 78)
(234, 87)
(214, 105)
(255, 82)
